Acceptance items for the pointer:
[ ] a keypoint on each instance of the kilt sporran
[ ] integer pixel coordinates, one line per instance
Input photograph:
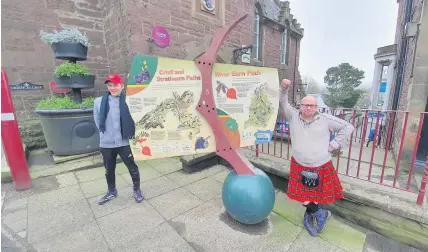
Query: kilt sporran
(310, 179)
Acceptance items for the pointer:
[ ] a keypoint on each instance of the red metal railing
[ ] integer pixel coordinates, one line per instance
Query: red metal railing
(392, 160)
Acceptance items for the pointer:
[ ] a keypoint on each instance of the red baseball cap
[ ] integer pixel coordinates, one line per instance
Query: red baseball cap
(114, 78)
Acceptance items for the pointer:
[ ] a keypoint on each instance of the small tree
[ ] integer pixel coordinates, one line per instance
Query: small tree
(342, 82)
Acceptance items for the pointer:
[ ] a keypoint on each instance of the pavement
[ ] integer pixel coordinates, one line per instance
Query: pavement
(182, 212)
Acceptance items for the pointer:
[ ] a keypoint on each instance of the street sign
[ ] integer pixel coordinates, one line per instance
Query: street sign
(160, 36)
(26, 86)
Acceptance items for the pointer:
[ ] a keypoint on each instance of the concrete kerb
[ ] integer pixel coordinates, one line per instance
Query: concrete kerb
(85, 163)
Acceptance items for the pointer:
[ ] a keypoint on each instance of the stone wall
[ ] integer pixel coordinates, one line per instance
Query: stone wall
(119, 29)
(413, 93)
(26, 58)
(191, 31)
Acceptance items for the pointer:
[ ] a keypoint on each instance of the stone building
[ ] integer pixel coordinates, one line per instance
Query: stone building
(385, 59)
(119, 29)
(409, 89)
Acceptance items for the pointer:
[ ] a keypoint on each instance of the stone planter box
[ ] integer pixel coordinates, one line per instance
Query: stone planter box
(70, 51)
(70, 131)
(75, 81)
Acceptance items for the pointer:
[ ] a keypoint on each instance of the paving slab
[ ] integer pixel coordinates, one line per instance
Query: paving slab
(66, 179)
(38, 186)
(154, 162)
(174, 203)
(221, 176)
(205, 189)
(99, 186)
(161, 238)
(23, 234)
(379, 243)
(124, 199)
(54, 169)
(183, 178)
(12, 242)
(82, 238)
(167, 168)
(289, 209)
(158, 186)
(344, 234)
(19, 225)
(209, 228)
(146, 173)
(124, 225)
(5, 188)
(52, 221)
(14, 210)
(122, 169)
(90, 174)
(307, 243)
(52, 199)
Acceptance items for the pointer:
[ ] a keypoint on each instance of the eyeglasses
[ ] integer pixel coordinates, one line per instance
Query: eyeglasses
(308, 105)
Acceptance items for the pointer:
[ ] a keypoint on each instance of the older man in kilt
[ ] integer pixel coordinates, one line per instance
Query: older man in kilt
(313, 179)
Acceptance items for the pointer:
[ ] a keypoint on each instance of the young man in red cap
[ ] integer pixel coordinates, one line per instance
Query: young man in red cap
(116, 126)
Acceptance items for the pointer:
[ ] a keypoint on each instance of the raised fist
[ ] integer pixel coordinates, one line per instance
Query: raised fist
(285, 83)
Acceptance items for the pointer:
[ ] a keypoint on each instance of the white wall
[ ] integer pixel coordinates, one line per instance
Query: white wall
(374, 97)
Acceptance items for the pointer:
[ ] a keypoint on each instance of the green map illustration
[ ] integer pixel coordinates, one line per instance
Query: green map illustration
(261, 108)
(179, 105)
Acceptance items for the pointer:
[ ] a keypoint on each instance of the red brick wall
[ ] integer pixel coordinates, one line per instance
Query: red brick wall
(117, 30)
(176, 16)
(26, 58)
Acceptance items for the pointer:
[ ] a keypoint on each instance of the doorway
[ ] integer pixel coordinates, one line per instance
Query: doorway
(422, 151)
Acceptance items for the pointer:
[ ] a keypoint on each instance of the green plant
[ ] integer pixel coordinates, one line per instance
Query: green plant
(69, 69)
(64, 103)
(67, 35)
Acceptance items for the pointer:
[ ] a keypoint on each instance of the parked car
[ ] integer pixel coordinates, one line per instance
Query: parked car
(282, 127)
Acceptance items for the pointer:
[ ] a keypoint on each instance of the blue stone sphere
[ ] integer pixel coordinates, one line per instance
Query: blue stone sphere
(248, 199)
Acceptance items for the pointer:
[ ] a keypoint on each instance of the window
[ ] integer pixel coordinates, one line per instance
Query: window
(257, 36)
(284, 48)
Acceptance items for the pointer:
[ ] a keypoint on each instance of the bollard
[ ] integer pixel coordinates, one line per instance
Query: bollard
(11, 139)
(424, 182)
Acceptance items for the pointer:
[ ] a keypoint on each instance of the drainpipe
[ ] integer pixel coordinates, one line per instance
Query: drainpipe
(402, 59)
(401, 63)
(295, 71)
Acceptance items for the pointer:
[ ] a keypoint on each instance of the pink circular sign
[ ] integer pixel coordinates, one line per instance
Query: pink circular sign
(160, 36)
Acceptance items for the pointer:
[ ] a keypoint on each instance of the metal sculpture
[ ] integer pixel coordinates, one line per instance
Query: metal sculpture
(206, 105)
(248, 193)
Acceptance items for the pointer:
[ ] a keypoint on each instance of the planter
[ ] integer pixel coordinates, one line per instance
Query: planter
(70, 51)
(69, 132)
(75, 81)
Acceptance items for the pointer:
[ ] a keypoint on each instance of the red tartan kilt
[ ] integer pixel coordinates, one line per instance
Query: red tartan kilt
(328, 191)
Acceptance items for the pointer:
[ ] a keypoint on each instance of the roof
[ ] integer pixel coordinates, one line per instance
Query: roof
(279, 11)
(386, 50)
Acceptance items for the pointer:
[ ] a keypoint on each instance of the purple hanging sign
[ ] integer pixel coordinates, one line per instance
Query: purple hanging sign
(160, 36)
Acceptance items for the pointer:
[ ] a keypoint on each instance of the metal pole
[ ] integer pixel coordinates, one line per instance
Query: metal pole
(424, 182)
